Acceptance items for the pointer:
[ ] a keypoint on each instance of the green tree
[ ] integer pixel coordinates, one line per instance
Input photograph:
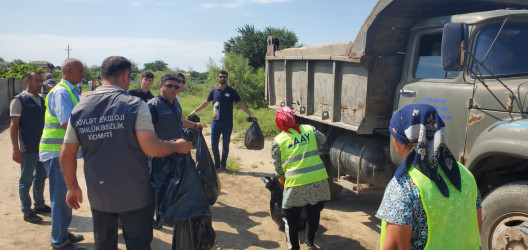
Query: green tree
(135, 70)
(19, 71)
(92, 72)
(16, 61)
(157, 65)
(248, 82)
(251, 43)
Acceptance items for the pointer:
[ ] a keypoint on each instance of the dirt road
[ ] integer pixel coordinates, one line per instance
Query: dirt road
(240, 216)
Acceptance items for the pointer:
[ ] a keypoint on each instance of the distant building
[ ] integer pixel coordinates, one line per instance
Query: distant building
(46, 66)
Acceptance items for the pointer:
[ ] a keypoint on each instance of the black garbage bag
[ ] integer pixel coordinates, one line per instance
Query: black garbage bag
(187, 231)
(207, 171)
(254, 138)
(276, 189)
(180, 197)
(179, 194)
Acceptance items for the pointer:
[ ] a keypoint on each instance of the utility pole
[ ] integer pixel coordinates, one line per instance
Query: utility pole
(68, 50)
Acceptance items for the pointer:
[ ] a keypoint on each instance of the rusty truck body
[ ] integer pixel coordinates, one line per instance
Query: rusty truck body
(468, 58)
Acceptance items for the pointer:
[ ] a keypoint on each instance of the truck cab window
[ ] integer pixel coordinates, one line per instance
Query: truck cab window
(429, 61)
(507, 56)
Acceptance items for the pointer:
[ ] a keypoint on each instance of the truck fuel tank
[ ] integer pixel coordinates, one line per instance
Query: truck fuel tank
(362, 157)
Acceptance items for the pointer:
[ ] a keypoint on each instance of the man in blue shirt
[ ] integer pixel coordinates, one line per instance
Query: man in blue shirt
(223, 98)
(60, 102)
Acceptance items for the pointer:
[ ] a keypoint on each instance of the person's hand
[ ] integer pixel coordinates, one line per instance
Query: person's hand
(253, 117)
(74, 197)
(199, 125)
(192, 113)
(182, 146)
(17, 155)
(281, 181)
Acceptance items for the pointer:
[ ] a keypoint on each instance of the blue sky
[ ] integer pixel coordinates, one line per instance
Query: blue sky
(183, 33)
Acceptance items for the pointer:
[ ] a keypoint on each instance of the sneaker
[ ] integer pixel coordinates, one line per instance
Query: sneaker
(310, 244)
(74, 238)
(32, 218)
(42, 210)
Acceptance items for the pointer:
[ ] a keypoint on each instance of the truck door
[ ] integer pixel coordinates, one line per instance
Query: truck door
(425, 81)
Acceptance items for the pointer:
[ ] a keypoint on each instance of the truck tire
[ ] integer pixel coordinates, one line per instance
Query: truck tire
(505, 217)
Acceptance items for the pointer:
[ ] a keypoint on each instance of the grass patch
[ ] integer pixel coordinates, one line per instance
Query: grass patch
(328, 218)
(194, 95)
(233, 166)
(254, 166)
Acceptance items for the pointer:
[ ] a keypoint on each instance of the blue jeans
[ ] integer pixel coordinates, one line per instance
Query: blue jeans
(32, 172)
(61, 214)
(225, 128)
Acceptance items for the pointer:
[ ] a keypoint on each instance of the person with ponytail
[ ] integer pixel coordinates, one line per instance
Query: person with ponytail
(432, 202)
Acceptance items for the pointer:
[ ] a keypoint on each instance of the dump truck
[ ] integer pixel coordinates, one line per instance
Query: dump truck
(467, 58)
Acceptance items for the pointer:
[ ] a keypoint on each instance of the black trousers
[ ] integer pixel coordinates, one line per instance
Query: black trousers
(291, 217)
(136, 225)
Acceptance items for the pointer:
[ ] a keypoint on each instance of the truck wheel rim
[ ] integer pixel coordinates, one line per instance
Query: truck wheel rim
(510, 231)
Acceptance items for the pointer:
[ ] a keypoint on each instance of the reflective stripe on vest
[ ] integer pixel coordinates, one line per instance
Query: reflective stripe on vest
(53, 134)
(300, 159)
(460, 231)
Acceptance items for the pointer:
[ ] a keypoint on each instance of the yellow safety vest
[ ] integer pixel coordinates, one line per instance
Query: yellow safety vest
(451, 222)
(54, 133)
(300, 159)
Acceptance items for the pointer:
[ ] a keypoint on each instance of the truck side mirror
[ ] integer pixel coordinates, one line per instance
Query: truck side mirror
(454, 40)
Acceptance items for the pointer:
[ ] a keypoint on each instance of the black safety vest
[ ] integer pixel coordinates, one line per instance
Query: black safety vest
(169, 125)
(31, 123)
(115, 167)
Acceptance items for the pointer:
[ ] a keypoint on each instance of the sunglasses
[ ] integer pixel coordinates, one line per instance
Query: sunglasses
(182, 81)
(170, 86)
(221, 77)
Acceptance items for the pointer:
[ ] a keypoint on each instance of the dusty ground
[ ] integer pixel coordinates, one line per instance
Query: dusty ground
(240, 216)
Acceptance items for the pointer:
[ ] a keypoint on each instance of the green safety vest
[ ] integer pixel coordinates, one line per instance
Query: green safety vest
(54, 133)
(451, 222)
(300, 159)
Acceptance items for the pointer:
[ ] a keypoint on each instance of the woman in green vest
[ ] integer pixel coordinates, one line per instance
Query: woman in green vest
(302, 173)
(433, 201)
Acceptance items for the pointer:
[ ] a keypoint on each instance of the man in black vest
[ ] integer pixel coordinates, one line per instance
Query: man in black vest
(166, 110)
(167, 114)
(27, 121)
(114, 129)
(143, 92)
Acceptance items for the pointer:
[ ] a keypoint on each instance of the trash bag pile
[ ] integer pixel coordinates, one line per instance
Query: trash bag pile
(184, 190)
(254, 138)
(276, 189)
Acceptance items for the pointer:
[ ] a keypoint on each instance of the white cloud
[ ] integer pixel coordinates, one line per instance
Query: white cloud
(237, 3)
(93, 50)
